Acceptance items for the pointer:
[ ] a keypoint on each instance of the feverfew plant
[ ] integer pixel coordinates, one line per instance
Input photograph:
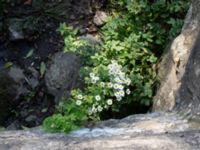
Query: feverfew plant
(107, 91)
(122, 69)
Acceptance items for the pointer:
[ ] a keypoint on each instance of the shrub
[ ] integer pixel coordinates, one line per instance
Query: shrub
(122, 70)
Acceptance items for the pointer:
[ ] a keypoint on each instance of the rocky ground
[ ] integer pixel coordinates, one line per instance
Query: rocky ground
(29, 41)
(156, 131)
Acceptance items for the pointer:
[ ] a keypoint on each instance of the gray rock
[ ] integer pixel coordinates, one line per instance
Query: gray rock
(31, 118)
(100, 18)
(16, 29)
(13, 84)
(14, 125)
(17, 75)
(33, 79)
(63, 74)
(22, 28)
(154, 131)
(174, 66)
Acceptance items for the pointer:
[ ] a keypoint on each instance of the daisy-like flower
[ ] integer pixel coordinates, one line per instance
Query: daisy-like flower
(99, 108)
(109, 102)
(116, 86)
(117, 80)
(92, 75)
(102, 84)
(96, 78)
(121, 87)
(98, 98)
(90, 111)
(110, 85)
(78, 102)
(128, 91)
(110, 66)
(93, 81)
(121, 93)
(117, 94)
(110, 72)
(120, 66)
(94, 110)
(106, 106)
(119, 99)
(80, 96)
(128, 81)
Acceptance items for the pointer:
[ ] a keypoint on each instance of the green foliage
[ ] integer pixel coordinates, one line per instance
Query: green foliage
(67, 118)
(72, 42)
(122, 69)
(1, 4)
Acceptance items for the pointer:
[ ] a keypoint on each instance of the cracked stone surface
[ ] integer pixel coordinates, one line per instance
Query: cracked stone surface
(154, 131)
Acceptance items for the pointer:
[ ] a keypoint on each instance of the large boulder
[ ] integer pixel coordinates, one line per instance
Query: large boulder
(154, 131)
(63, 74)
(177, 63)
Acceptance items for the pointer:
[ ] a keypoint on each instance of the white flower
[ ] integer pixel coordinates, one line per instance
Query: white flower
(113, 61)
(121, 87)
(96, 78)
(128, 91)
(117, 71)
(117, 80)
(98, 98)
(110, 85)
(110, 72)
(119, 99)
(117, 94)
(120, 66)
(93, 81)
(94, 110)
(102, 84)
(99, 108)
(92, 75)
(121, 93)
(128, 81)
(109, 102)
(116, 86)
(80, 96)
(110, 66)
(106, 106)
(78, 102)
(90, 111)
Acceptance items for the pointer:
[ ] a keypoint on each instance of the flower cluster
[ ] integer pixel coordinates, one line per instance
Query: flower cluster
(94, 78)
(119, 81)
(106, 92)
(79, 100)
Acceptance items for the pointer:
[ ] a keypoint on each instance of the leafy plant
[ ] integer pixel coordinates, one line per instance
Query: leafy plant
(122, 69)
(67, 118)
(72, 42)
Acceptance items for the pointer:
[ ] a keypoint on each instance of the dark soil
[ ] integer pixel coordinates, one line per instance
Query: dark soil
(41, 36)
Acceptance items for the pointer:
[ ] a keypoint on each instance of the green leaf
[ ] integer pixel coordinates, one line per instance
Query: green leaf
(44, 110)
(29, 54)
(8, 65)
(42, 68)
